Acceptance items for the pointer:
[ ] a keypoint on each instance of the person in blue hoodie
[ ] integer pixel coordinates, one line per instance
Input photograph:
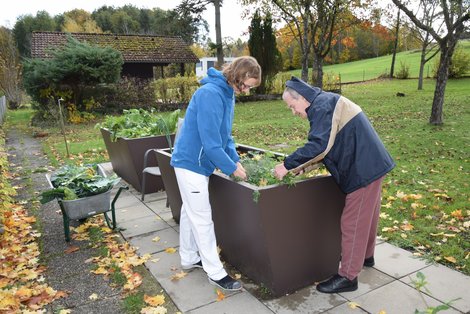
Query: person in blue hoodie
(343, 139)
(205, 143)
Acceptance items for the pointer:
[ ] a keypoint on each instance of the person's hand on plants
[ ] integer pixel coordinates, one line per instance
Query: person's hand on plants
(240, 172)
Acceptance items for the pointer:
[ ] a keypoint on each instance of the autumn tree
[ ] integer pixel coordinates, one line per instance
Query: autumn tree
(455, 13)
(429, 48)
(395, 44)
(79, 21)
(10, 68)
(195, 8)
(26, 24)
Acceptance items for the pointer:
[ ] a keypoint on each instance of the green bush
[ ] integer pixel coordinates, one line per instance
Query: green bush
(175, 90)
(459, 65)
(403, 71)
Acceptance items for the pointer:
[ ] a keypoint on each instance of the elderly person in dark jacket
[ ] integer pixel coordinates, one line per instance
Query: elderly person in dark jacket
(342, 138)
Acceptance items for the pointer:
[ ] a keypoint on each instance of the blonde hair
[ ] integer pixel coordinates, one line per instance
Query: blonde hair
(241, 69)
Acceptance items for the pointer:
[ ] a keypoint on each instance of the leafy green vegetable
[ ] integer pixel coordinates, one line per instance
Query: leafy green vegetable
(74, 182)
(134, 123)
(259, 168)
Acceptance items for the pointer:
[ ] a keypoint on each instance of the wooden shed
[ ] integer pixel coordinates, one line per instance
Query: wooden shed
(142, 54)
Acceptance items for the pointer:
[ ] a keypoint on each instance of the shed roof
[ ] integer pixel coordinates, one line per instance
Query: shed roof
(134, 48)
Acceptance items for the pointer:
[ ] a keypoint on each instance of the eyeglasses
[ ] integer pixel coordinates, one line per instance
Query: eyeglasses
(244, 86)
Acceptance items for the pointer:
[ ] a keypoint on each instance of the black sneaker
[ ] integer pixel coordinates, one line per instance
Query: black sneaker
(227, 283)
(369, 262)
(195, 265)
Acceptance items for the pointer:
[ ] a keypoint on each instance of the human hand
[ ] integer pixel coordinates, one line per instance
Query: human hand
(240, 172)
(280, 171)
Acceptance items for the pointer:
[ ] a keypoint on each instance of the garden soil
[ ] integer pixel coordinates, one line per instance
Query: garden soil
(64, 271)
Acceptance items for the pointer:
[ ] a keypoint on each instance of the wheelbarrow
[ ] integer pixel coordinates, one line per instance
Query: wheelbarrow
(86, 207)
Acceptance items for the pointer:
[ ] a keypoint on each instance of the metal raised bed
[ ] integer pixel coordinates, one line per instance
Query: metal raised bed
(285, 239)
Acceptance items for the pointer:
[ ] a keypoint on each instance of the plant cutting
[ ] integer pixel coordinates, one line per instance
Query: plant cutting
(259, 168)
(81, 192)
(73, 182)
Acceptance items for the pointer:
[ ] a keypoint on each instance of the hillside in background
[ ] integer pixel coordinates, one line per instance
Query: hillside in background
(368, 69)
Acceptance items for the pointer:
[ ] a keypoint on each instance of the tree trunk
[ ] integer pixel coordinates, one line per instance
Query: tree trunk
(305, 52)
(392, 68)
(421, 68)
(441, 82)
(317, 73)
(218, 35)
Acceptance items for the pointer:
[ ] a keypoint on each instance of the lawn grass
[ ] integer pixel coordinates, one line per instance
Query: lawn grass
(426, 198)
(368, 69)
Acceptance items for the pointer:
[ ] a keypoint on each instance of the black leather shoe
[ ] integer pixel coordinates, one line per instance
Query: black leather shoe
(337, 284)
(369, 262)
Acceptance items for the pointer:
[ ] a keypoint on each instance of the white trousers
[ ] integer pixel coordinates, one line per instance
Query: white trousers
(197, 235)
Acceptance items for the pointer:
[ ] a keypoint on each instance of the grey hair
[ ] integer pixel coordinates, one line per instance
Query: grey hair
(292, 93)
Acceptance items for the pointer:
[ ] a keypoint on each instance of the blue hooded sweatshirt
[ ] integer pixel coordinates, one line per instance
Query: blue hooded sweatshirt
(204, 140)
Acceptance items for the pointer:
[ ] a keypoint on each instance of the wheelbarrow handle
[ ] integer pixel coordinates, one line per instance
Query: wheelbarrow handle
(123, 187)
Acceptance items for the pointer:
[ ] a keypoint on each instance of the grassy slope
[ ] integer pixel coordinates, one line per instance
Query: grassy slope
(372, 68)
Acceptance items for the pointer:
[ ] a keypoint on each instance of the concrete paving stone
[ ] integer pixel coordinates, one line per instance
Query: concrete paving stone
(163, 265)
(168, 238)
(396, 297)
(192, 291)
(168, 218)
(307, 300)
(445, 285)
(130, 213)
(369, 279)
(159, 206)
(395, 261)
(156, 196)
(89, 284)
(126, 199)
(142, 226)
(242, 302)
(345, 308)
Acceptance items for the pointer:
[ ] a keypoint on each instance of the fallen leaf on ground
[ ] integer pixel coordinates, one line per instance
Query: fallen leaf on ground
(178, 276)
(353, 305)
(155, 300)
(156, 239)
(450, 259)
(93, 297)
(71, 249)
(153, 310)
(170, 250)
(220, 295)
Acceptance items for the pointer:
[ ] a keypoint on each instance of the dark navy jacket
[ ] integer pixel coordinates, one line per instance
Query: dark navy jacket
(342, 137)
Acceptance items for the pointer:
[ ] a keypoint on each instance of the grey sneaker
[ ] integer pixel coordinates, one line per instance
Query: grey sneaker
(227, 283)
(195, 265)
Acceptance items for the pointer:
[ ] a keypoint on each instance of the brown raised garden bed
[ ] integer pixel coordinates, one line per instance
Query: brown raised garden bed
(289, 238)
(127, 157)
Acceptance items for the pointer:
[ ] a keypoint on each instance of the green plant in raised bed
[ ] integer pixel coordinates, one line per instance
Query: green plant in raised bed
(259, 168)
(134, 123)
